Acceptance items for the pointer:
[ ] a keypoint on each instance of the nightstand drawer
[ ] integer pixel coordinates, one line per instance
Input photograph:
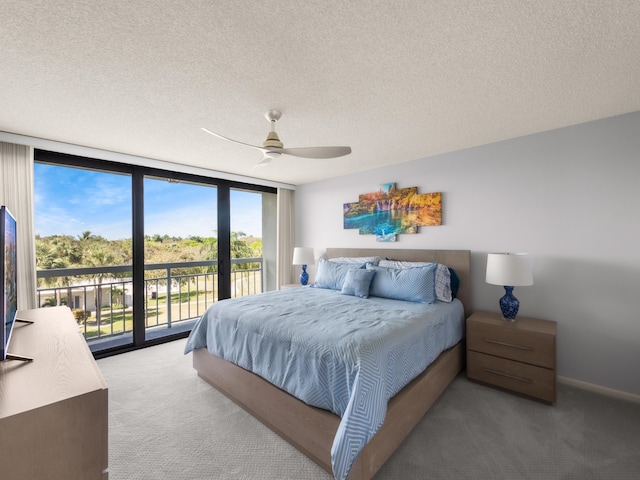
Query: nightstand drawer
(518, 377)
(508, 341)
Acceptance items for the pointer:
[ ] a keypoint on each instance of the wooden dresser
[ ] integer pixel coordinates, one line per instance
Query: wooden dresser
(517, 356)
(53, 410)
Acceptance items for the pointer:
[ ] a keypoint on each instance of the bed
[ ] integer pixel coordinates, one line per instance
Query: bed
(314, 430)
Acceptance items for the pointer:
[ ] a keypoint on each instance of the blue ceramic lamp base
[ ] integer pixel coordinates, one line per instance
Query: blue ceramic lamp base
(304, 276)
(509, 305)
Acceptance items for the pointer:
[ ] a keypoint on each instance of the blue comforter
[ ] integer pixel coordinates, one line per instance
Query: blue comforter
(337, 352)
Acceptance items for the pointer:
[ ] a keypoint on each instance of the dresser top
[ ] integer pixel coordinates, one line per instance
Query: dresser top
(62, 366)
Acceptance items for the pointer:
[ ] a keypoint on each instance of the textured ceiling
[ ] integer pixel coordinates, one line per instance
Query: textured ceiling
(395, 80)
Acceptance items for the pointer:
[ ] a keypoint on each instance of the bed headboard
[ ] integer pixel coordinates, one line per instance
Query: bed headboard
(459, 260)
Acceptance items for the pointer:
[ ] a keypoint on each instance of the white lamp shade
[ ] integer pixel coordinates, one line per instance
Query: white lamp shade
(511, 269)
(303, 256)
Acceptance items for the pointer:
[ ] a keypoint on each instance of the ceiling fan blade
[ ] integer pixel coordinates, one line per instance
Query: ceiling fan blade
(317, 152)
(232, 140)
(263, 163)
(266, 159)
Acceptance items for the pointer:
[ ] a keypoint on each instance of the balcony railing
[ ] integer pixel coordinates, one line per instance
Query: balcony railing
(101, 298)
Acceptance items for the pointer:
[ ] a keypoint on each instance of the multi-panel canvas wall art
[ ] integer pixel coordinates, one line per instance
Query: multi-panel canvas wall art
(390, 211)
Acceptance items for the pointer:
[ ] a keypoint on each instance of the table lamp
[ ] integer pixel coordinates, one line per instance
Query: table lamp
(303, 256)
(509, 270)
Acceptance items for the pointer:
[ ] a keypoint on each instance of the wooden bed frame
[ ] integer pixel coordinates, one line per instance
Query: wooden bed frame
(312, 430)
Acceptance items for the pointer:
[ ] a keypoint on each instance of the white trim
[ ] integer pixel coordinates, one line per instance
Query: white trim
(91, 152)
(631, 397)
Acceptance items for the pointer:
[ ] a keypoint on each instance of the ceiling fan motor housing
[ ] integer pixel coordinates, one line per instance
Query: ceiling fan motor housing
(272, 140)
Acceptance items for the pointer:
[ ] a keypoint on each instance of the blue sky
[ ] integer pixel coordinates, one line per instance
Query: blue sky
(69, 201)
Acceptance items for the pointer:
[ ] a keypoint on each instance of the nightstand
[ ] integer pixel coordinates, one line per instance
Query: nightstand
(290, 285)
(516, 356)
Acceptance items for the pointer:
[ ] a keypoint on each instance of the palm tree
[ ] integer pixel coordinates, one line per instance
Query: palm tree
(86, 235)
(99, 258)
(209, 251)
(240, 249)
(47, 258)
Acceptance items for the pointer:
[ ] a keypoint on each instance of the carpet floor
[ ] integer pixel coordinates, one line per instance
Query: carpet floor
(166, 423)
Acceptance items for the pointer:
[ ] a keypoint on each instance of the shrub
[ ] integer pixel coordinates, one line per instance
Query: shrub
(81, 315)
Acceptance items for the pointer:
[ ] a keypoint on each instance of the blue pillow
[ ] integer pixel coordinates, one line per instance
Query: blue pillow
(443, 276)
(357, 283)
(455, 282)
(410, 284)
(332, 275)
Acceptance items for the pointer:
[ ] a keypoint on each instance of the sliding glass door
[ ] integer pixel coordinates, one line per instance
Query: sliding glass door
(253, 241)
(140, 253)
(180, 253)
(84, 248)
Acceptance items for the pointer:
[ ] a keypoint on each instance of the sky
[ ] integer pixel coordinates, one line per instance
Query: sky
(70, 201)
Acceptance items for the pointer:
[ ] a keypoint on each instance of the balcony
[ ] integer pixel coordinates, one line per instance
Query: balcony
(176, 294)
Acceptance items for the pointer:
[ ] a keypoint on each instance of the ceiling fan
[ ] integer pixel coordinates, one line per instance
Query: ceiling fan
(272, 147)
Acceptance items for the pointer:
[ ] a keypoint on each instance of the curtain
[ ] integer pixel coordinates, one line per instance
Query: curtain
(16, 193)
(285, 236)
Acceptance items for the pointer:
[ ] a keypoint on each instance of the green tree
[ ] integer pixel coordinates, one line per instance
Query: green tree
(47, 258)
(85, 236)
(99, 258)
(241, 249)
(209, 251)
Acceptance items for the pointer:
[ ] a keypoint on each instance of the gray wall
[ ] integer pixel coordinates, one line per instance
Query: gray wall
(569, 197)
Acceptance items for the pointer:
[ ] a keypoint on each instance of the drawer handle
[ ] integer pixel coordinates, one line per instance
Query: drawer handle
(514, 377)
(505, 344)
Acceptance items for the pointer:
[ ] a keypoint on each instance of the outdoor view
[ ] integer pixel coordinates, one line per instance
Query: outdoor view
(83, 224)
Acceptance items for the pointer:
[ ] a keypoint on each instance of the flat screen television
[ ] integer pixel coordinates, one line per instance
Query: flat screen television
(9, 266)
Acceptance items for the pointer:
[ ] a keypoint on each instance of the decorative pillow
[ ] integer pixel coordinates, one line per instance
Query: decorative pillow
(455, 282)
(411, 284)
(387, 263)
(443, 277)
(443, 284)
(357, 283)
(359, 260)
(332, 275)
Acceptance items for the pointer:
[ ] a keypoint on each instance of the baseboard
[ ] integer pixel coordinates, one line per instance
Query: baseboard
(597, 388)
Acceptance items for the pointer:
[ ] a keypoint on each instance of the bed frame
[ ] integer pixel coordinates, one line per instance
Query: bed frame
(312, 430)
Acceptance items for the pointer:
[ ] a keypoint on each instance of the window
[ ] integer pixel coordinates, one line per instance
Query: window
(180, 253)
(140, 253)
(84, 246)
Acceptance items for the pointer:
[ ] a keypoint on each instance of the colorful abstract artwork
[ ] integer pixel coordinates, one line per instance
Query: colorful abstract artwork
(391, 211)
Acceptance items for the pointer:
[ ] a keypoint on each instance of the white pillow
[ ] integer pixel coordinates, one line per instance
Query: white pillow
(360, 260)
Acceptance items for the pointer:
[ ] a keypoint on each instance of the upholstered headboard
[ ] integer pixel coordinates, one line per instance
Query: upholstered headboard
(459, 260)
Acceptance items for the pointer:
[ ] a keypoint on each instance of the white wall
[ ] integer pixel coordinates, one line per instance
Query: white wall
(569, 197)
